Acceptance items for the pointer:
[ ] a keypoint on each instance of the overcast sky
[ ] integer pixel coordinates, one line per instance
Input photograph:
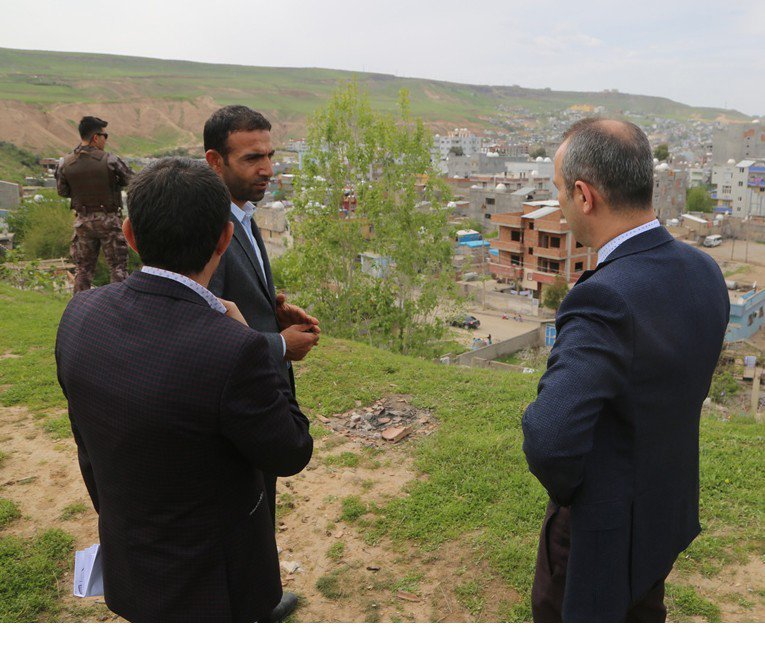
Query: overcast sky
(700, 52)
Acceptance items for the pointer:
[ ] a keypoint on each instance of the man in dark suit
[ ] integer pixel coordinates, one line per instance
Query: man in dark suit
(614, 432)
(238, 147)
(178, 409)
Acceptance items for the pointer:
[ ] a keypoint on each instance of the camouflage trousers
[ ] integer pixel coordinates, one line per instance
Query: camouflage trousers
(93, 231)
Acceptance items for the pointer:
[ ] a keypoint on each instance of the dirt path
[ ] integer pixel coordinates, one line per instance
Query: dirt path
(340, 576)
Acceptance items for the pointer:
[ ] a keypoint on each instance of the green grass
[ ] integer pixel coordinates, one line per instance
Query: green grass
(353, 508)
(29, 574)
(329, 585)
(3, 456)
(684, 604)
(477, 483)
(8, 512)
(58, 427)
(30, 320)
(336, 551)
(344, 459)
(73, 511)
(17, 163)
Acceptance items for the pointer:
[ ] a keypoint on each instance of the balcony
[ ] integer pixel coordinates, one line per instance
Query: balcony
(543, 278)
(507, 219)
(551, 252)
(507, 245)
(552, 226)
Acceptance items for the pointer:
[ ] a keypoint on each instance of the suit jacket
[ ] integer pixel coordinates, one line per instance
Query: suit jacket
(614, 431)
(239, 278)
(177, 410)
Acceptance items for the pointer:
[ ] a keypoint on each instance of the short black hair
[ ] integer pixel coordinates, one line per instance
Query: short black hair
(178, 208)
(90, 126)
(231, 118)
(615, 157)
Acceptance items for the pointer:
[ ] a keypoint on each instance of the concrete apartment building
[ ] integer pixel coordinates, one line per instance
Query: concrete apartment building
(489, 196)
(722, 180)
(669, 192)
(535, 245)
(458, 138)
(748, 189)
(740, 188)
(738, 141)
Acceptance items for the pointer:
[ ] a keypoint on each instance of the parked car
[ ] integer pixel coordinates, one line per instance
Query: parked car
(712, 241)
(467, 321)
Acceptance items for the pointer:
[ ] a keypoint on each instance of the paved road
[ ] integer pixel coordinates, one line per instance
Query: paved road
(492, 323)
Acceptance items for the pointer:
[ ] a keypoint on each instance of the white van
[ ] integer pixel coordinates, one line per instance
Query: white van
(712, 241)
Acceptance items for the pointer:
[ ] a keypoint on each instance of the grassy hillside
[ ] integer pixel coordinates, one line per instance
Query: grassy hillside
(16, 164)
(474, 494)
(289, 95)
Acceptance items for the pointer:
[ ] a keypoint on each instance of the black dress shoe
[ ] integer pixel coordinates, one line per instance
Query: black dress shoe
(285, 608)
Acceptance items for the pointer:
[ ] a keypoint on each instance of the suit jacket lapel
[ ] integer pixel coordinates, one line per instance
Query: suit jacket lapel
(264, 256)
(241, 237)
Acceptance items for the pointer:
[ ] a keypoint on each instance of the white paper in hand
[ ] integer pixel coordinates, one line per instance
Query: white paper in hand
(88, 573)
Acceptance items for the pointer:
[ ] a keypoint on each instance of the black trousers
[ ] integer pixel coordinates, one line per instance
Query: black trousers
(550, 576)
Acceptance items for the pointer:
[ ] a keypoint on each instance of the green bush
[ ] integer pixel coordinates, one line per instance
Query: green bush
(724, 386)
(47, 228)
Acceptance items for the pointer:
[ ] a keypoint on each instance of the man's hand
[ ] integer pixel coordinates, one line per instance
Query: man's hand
(288, 314)
(232, 311)
(299, 340)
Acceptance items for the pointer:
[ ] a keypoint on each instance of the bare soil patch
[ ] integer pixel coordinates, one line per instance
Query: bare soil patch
(341, 576)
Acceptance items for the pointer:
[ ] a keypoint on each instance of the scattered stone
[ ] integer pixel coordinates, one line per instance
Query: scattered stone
(290, 567)
(323, 420)
(339, 534)
(408, 596)
(373, 568)
(396, 433)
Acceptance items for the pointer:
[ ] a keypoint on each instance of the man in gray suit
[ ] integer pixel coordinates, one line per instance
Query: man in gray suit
(238, 148)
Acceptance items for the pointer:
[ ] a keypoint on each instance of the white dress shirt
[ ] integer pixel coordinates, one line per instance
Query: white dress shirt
(193, 285)
(607, 249)
(245, 219)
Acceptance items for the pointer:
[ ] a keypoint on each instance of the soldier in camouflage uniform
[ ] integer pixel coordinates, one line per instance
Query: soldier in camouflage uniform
(93, 179)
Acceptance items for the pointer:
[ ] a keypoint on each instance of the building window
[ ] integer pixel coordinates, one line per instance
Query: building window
(489, 200)
(515, 236)
(741, 183)
(578, 266)
(531, 251)
(579, 245)
(555, 243)
(531, 225)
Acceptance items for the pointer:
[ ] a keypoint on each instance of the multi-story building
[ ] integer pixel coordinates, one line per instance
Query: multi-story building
(722, 180)
(461, 138)
(748, 189)
(669, 192)
(738, 141)
(500, 194)
(535, 245)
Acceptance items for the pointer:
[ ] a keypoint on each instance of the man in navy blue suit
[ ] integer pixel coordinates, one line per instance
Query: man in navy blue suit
(614, 432)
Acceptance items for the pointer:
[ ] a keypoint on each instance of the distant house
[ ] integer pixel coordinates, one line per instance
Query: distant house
(536, 245)
(747, 315)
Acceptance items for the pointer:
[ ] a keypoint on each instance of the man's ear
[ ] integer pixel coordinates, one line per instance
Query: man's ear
(214, 160)
(586, 195)
(127, 229)
(225, 239)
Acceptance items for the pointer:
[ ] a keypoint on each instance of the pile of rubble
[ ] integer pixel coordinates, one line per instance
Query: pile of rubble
(388, 420)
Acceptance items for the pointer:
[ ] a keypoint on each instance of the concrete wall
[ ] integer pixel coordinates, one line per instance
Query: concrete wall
(10, 195)
(532, 339)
